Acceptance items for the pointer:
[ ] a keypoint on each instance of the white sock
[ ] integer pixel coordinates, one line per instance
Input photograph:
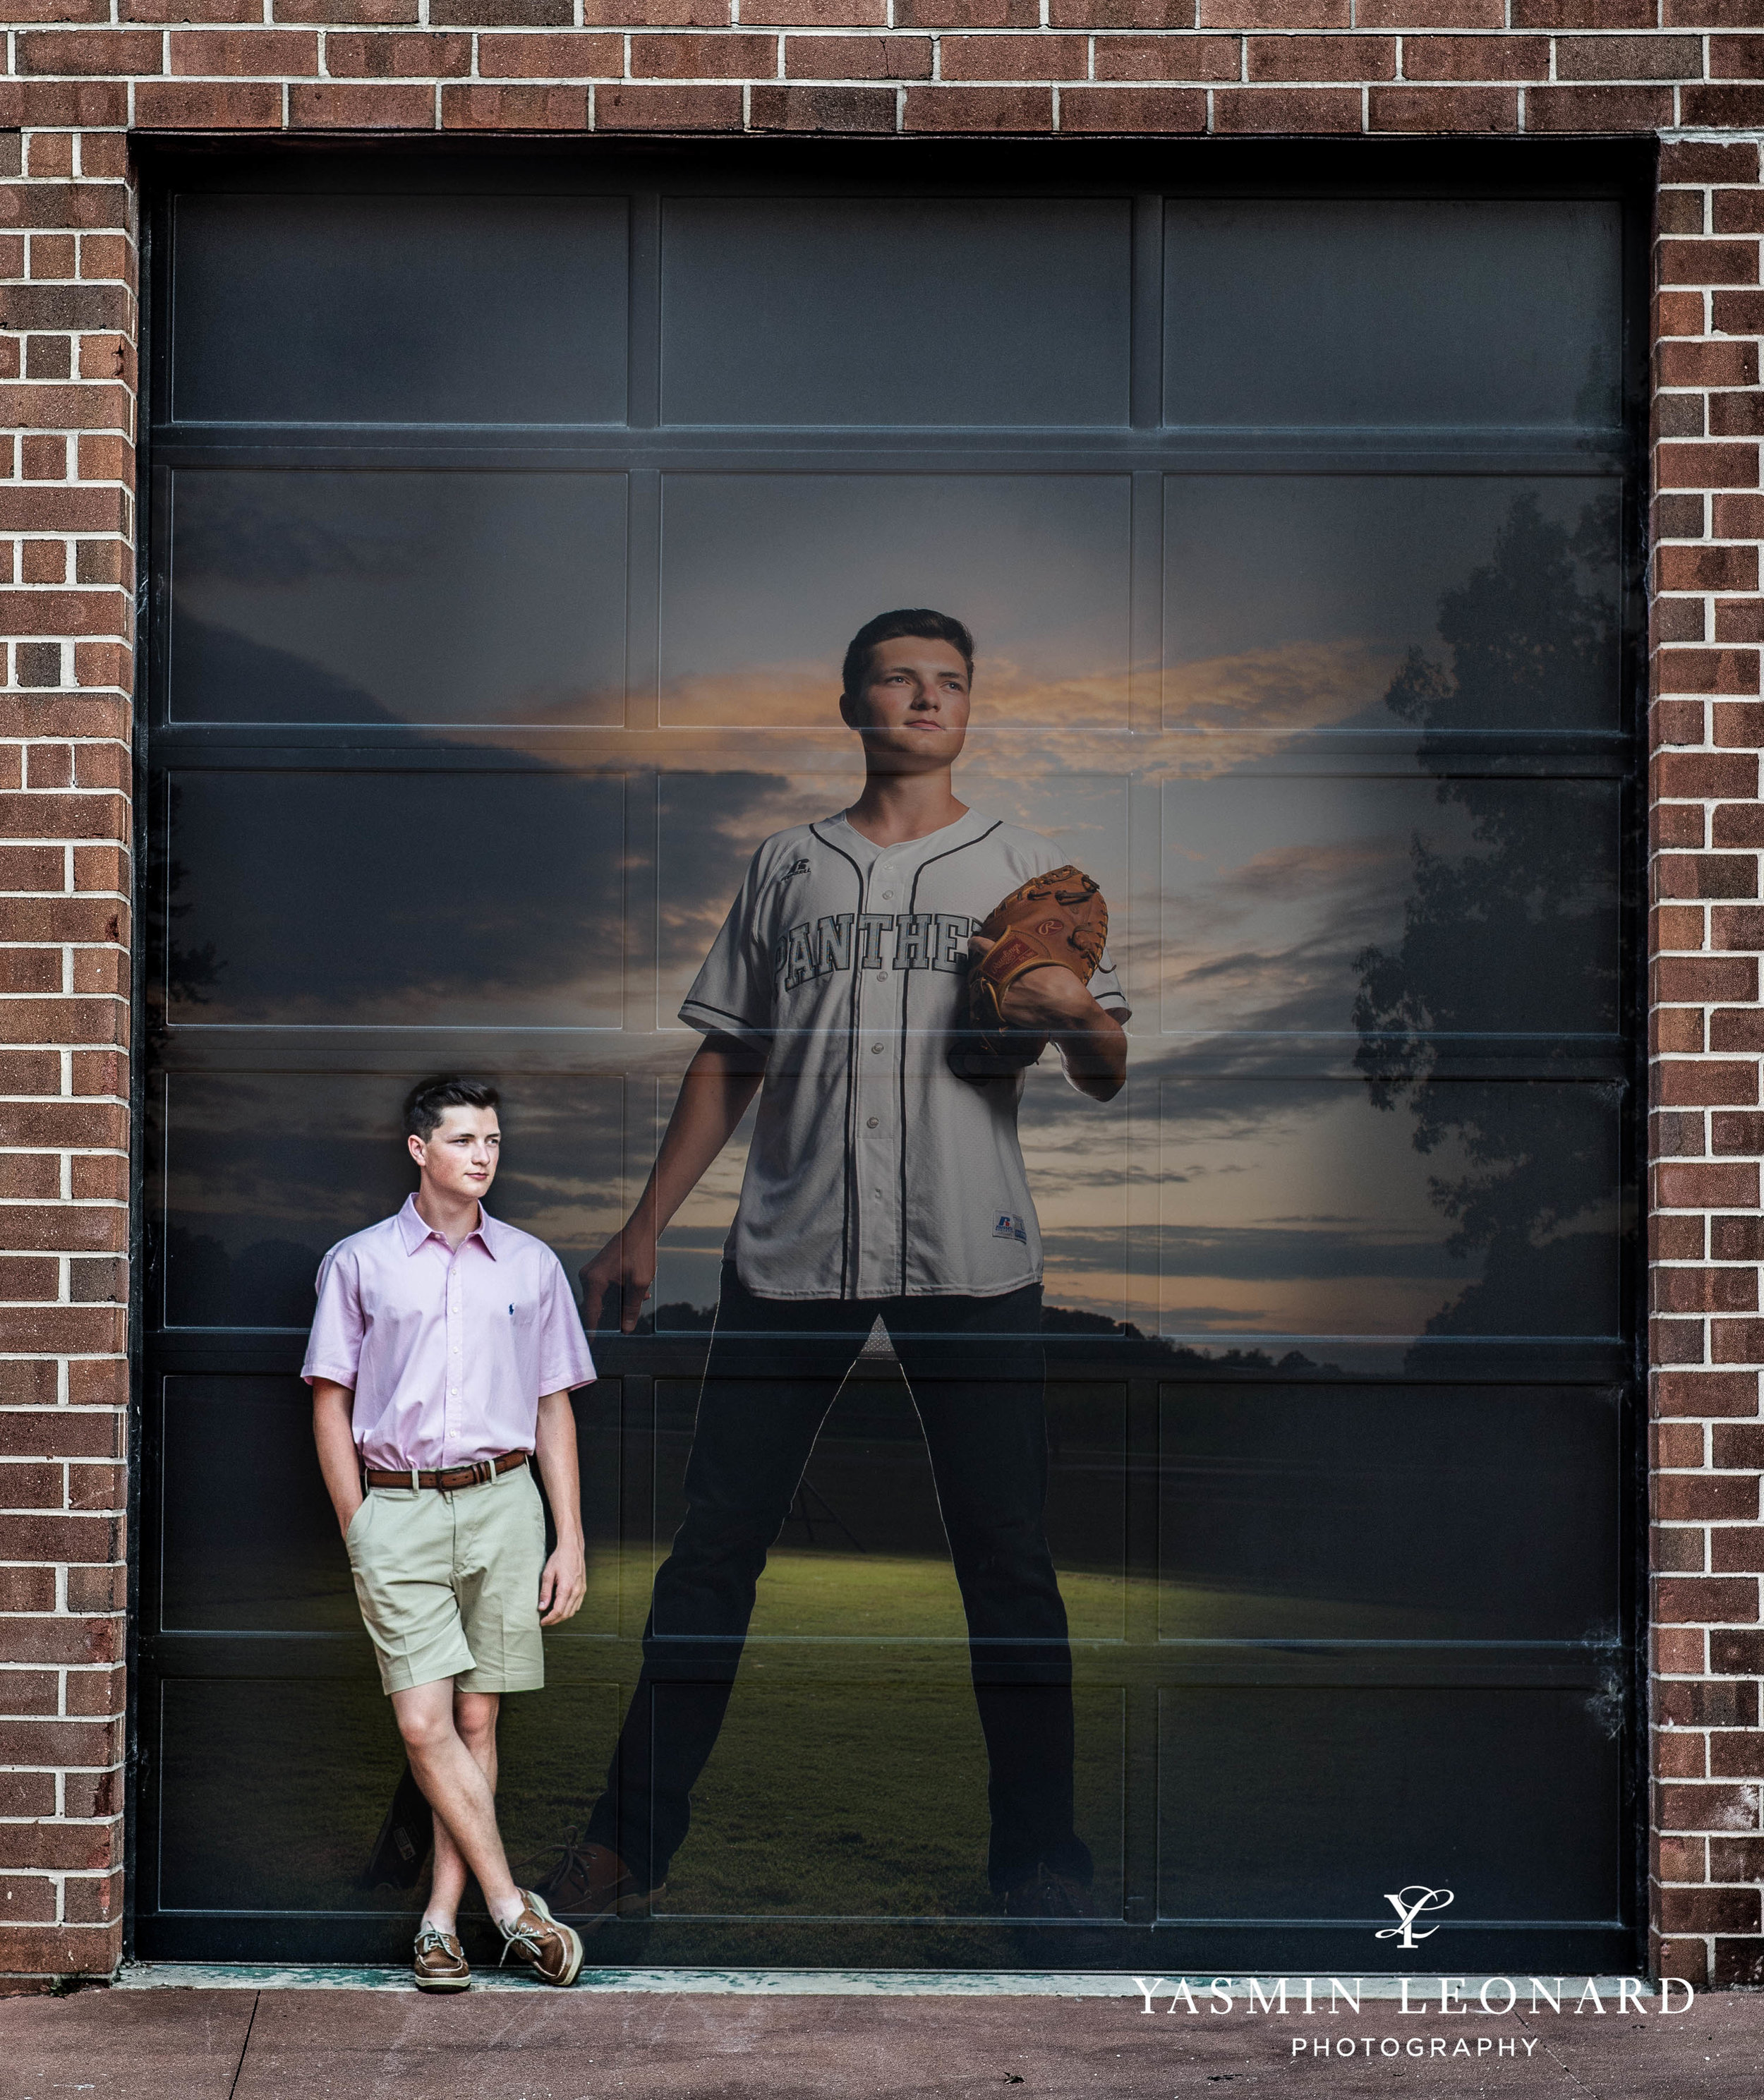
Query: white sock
(437, 1925)
(505, 1918)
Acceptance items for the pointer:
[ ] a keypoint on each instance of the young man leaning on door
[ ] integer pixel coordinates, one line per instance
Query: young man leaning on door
(441, 1359)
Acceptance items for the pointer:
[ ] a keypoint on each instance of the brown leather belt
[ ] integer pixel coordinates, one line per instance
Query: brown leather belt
(450, 1477)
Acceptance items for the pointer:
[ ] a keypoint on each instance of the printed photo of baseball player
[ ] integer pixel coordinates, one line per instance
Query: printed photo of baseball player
(882, 981)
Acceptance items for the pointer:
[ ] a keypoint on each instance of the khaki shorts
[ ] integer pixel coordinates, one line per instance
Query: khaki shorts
(449, 1583)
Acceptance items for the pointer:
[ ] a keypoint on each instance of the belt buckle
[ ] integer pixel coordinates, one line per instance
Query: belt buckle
(484, 1472)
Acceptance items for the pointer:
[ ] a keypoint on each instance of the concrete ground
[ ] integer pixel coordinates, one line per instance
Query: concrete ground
(528, 2043)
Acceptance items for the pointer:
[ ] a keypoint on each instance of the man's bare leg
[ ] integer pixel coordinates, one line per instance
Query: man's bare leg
(475, 1719)
(458, 1791)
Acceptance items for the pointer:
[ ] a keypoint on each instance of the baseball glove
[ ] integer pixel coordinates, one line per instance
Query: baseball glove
(1058, 918)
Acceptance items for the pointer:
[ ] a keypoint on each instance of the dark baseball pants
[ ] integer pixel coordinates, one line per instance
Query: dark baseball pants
(975, 1369)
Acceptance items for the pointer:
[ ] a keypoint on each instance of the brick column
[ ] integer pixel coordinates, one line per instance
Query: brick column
(67, 389)
(1706, 1029)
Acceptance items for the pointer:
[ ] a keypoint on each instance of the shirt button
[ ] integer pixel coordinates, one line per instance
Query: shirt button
(890, 895)
(881, 977)
(876, 1049)
(875, 1121)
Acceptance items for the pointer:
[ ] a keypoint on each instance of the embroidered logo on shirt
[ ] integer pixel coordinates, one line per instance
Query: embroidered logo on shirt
(1005, 1227)
(795, 867)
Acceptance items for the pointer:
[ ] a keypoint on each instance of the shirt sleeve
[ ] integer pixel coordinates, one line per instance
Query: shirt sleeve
(564, 1361)
(333, 1347)
(732, 994)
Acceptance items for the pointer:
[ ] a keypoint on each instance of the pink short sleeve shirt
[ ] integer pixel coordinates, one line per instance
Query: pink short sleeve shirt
(447, 1351)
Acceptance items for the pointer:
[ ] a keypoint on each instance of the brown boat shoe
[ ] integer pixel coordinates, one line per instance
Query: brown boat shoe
(554, 1950)
(439, 1962)
(590, 1882)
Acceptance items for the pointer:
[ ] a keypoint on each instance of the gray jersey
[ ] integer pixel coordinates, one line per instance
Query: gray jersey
(874, 1172)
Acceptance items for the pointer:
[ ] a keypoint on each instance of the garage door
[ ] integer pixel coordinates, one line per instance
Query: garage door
(508, 518)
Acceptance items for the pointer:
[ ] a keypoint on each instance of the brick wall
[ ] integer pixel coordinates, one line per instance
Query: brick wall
(80, 74)
(1706, 1029)
(67, 405)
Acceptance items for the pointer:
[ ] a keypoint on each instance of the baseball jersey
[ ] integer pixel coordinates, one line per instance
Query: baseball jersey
(875, 1171)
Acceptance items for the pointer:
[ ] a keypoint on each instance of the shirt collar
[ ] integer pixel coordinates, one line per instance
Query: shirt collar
(910, 850)
(416, 1232)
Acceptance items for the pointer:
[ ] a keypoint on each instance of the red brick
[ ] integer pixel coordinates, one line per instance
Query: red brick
(1738, 211)
(1678, 1756)
(365, 14)
(1674, 1342)
(1736, 58)
(817, 109)
(1597, 109)
(1276, 14)
(1321, 58)
(259, 54)
(1723, 106)
(1121, 13)
(1706, 874)
(1702, 1082)
(1700, 979)
(1040, 57)
(1431, 13)
(190, 11)
(1704, 1289)
(1702, 775)
(1678, 313)
(1128, 110)
(77, 1745)
(653, 108)
(967, 14)
(1739, 620)
(1681, 211)
(1476, 58)
(1737, 1029)
(1706, 568)
(27, 1900)
(1630, 58)
(58, 10)
(104, 52)
(1706, 466)
(1583, 14)
(1299, 110)
(1673, 1237)
(501, 14)
(1702, 161)
(29, 1486)
(1709, 1910)
(26, 1793)
(352, 55)
(549, 55)
(656, 14)
(1707, 1498)
(198, 106)
(1739, 1964)
(97, 1589)
(1735, 1654)
(1735, 1860)
(979, 109)
(1684, 1186)
(65, 1228)
(365, 106)
(65, 1950)
(1698, 1598)
(1443, 110)
(1737, 1132)
(857, 58)
(1735, 313)
(732, 57)
(816, 14)
(92, 1899)
(1707, 262)
(1736, 927)
(1739, 723)
(470, 108)
(1164, 57)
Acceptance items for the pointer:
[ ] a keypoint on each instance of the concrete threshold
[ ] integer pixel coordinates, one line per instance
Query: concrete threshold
(801, 1982)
